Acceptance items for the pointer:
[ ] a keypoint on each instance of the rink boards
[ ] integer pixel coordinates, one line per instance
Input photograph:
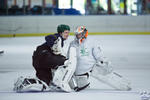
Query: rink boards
(90, 33)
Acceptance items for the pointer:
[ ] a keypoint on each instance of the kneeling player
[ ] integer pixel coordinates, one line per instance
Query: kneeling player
(91, 62)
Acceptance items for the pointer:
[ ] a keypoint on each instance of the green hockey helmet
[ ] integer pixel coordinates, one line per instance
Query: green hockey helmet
(62, 27)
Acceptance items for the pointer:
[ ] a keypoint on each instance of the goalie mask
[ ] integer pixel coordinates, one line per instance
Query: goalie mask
(81, 33)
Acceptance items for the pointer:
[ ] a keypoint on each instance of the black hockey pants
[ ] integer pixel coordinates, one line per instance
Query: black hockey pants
(44, 60)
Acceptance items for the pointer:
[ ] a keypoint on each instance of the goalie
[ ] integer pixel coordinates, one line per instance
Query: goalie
(91, 62)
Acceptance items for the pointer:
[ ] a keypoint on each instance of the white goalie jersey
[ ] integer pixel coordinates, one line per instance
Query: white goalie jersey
(90, 60)
(87, 55)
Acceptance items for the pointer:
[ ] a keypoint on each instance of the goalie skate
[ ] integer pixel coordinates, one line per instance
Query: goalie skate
(29, 84)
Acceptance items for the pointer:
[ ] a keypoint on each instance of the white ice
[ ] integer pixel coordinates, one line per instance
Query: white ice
(129, 54)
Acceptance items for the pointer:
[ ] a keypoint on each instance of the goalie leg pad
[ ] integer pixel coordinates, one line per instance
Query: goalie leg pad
(112, 79)
(63, 74)
(60, 77)
(82, 81)
(73, 83)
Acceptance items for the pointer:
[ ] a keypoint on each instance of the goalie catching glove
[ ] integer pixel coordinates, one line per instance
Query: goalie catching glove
(104, 65)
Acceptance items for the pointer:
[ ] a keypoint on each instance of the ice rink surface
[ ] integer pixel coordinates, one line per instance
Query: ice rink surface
(129, 54)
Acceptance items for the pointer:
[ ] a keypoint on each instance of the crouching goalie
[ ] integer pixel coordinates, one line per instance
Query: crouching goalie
(91, 62)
